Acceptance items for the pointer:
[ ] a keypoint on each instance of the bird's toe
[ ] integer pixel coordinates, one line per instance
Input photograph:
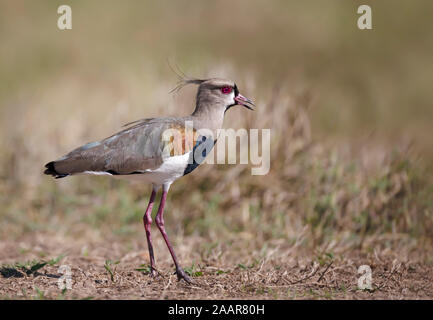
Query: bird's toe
(153, 273)
(181, 274)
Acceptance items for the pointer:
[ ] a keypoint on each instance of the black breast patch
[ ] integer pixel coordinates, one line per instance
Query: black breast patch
(201, 149)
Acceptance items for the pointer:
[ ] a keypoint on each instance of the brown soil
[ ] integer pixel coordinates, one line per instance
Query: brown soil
(282, 274)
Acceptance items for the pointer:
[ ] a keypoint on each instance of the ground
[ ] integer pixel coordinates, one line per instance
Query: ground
(109, 270)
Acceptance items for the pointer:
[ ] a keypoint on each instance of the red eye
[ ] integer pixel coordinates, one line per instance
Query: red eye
(226, 90)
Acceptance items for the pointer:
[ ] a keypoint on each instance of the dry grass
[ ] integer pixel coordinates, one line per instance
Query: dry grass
(349, 182)
(242, 236)
(280, 271)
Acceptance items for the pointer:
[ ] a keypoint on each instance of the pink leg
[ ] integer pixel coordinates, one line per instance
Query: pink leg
(160, 223)
(147, 221)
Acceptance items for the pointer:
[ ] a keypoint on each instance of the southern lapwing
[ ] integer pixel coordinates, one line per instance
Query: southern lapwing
(143, 152)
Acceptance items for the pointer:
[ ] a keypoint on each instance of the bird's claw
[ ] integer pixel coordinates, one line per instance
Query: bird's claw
(181, 274)
(153, 272)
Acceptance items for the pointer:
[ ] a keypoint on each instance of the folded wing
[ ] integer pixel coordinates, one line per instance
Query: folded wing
(136, 149)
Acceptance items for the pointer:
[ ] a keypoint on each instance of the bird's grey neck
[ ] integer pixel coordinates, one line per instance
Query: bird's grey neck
(208, 117)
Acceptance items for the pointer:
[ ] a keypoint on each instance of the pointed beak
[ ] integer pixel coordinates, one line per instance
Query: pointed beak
(243, 101)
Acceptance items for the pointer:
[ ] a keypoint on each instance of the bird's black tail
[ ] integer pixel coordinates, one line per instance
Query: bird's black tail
(52, 171)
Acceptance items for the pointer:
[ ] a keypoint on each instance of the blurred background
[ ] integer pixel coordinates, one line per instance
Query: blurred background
(350, 113)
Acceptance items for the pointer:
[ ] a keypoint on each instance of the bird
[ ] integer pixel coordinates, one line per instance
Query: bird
(143, 151)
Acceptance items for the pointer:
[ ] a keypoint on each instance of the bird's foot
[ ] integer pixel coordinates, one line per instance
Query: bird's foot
(181, 274)
(153, 273)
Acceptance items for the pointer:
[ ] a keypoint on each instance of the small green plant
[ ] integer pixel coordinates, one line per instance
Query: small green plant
(28, 267)
(31, 267)
(242, 266)
(144, 268)
(218, 272)
(191, 271)
(40, 295)
(245, 267)
(107, 266)
(54, 261)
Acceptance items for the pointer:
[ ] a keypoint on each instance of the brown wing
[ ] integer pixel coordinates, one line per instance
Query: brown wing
(137, 148)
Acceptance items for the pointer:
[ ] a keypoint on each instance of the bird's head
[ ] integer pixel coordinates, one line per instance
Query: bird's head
(217, 93)
(221, 93)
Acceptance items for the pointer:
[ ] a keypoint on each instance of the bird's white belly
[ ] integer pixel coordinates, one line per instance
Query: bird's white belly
(171, 169)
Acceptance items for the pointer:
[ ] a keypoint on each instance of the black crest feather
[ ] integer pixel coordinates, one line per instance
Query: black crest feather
(183, 79)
